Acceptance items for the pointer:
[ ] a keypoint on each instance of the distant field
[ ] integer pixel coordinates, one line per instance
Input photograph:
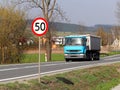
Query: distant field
(32, 58)
(95, 78)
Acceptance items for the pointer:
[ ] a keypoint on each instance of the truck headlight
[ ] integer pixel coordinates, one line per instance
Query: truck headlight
(65, 54)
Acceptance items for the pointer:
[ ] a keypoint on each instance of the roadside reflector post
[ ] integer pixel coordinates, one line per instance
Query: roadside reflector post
(45, 57)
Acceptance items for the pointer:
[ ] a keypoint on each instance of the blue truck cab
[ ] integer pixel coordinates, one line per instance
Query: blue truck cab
(78, 47)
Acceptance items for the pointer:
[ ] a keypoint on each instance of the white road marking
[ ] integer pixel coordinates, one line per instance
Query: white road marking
(58, 71)
(49, 65)
(18, 68)
(33, 66)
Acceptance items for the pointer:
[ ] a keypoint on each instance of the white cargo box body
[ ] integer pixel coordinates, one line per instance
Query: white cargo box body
(93, 42)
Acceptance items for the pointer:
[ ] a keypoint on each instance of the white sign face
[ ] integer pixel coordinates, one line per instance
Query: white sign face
(39, 26)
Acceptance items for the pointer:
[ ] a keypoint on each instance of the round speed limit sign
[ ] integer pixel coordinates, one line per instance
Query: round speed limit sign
(39, 26)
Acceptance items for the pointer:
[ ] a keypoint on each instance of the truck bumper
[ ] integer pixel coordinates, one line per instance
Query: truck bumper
(74, 56)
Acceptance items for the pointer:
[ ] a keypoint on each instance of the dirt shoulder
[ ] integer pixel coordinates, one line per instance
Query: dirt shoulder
(59, 50)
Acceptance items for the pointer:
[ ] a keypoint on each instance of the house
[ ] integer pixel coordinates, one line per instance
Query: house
(58, 40)
(116, 43)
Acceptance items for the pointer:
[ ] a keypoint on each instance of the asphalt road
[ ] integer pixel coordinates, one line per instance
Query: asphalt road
(23, 71)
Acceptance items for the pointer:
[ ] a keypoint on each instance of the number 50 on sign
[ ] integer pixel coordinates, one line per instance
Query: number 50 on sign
(39, 26)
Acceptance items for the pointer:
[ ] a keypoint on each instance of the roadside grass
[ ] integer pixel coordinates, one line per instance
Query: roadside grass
(114, 52)
(95, 78)
(33, 58)
(110, 53)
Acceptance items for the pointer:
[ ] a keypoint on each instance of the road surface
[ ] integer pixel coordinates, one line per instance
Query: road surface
(23, 71)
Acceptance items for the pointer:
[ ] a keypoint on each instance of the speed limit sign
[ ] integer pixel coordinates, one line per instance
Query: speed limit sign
(39, 26)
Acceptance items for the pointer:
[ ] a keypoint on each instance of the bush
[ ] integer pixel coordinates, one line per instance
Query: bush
(12, 27)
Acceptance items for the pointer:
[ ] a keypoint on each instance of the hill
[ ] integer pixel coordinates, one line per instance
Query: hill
(67, 27)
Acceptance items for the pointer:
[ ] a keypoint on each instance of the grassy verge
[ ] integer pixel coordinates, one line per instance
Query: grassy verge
(32, 58)
(110, 54)
(96, 78)
(114, 52)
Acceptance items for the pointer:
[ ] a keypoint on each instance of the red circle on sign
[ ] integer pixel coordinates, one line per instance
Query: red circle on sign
(46, 26)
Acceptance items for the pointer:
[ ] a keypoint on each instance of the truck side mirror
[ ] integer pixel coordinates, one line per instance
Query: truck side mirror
(63, 42)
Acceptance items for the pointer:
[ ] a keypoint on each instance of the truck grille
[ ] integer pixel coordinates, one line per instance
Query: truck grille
(73, 50)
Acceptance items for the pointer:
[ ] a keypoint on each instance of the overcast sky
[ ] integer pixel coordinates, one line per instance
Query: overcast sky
(87, 12)
(90, 12)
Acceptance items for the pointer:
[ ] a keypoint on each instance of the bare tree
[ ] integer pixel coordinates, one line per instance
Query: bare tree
(118, 11)
(116, 32)
(47, 7)
(116, 29)
(100, 32)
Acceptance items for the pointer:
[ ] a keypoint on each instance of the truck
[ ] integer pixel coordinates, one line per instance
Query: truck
(82, 47)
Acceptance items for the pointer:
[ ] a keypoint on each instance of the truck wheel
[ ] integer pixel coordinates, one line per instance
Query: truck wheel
(67, 60)
(97, 56)
(98, 59)
(92, 56)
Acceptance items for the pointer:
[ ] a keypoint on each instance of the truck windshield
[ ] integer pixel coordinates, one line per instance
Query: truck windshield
(73, 41)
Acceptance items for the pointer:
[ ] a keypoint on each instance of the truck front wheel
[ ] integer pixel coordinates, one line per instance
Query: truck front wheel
(67, 60)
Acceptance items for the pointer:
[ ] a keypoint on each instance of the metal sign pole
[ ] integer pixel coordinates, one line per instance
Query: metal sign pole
(39, 62)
